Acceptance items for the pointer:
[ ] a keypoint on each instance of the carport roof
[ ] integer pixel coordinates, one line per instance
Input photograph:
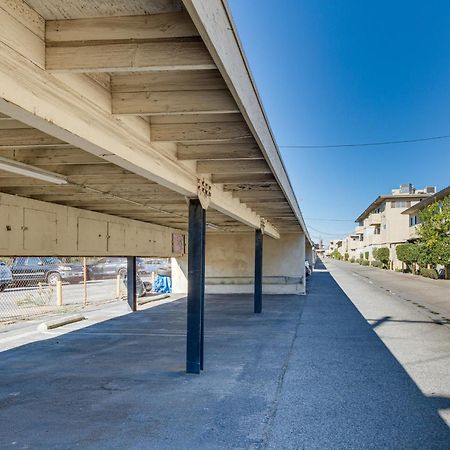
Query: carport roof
(140, 105)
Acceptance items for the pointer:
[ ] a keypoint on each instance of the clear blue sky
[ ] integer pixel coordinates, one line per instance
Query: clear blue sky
(350, 71)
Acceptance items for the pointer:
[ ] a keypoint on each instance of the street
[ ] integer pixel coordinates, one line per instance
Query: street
(411, 315)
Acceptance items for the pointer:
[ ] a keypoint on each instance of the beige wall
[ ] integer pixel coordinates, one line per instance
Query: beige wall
(35, 228)
(230, 262)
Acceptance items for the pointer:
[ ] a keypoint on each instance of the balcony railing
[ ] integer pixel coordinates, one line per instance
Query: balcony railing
(375, 219)
(373, 239)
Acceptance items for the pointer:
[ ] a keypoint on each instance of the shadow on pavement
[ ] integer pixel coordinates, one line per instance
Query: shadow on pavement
(296, 376)
(344, 389)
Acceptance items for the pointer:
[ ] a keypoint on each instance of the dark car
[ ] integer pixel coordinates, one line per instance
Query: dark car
(44, 269)
(5, 276)
(107, 268)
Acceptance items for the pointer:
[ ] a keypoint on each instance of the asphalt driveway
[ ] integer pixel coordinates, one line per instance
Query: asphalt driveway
(309, 372)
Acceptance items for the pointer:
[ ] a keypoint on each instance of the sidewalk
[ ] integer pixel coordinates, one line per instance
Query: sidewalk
(309, 372)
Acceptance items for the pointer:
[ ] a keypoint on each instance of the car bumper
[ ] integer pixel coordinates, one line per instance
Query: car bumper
(71, 276)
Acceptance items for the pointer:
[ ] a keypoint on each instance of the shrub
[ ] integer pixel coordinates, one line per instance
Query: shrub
(366, 255)
(407, 253)
(352, 260)
(365, 262)
(374, 253)
(382, 255)
(378, 264)
(346, 256)
(429, 273)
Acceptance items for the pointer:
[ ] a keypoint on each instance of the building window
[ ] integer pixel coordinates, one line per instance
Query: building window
(413, 220)
(401, 204)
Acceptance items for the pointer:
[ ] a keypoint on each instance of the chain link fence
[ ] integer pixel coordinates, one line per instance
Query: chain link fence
(33, 287)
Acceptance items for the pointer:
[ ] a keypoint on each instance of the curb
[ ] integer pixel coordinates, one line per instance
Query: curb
(49, 325)
(152, 299)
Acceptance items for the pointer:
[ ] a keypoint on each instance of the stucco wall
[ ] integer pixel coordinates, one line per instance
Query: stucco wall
(230, 263)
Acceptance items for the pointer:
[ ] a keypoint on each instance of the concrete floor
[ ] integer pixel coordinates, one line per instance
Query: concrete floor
(307, 373)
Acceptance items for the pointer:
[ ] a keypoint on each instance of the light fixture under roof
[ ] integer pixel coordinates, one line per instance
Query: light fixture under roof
(18, 168)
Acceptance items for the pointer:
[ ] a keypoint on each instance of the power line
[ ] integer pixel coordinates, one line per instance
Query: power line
(327, 234)
(329, 220)
(367, 144)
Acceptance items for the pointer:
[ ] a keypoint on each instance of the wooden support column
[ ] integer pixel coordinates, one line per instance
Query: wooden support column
(258, 270)
(131, 282)
(195, 287)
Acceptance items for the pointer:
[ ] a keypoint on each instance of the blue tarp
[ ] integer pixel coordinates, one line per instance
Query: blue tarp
(162, 285)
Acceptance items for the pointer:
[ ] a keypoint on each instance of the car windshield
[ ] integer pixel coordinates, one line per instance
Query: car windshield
(51, 260)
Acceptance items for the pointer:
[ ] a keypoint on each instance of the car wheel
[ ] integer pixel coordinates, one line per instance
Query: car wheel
(53, 278)
(2, 287)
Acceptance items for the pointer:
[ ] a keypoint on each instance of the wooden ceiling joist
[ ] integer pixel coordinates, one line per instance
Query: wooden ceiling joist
(50, 156)
(244, 166)
(231, 179)
(173, 102)
(198, 131)
(148, 27)
(218, 151)
(27, 137)
(160, 93)
(130, 57)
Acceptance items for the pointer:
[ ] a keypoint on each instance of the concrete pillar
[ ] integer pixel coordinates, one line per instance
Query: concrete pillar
(196, 279)
(257, 307)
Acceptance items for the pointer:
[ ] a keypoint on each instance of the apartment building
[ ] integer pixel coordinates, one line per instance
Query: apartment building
(383, 223)
(413, 212)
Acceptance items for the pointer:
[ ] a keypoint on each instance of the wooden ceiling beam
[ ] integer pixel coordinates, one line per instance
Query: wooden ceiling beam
(155, 26)
(162, 93)
(259, 195)
(195, 152)
(173, 102)
(50, 156)
(26, 137)
(129, 57)
(233, 179)
(200, 131)
(183, 80)
(245, 166)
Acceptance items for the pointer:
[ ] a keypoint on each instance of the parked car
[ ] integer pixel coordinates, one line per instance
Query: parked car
(45, 269)
(158, 265)
(5, 276)
(112, 266)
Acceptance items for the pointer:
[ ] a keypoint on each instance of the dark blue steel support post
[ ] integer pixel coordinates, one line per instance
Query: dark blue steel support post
(131, 282)
(202, 329)
(195, 286)
(258, 271)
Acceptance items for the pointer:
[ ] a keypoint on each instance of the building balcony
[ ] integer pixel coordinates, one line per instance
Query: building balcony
(374, 219)
(359, 229)
(373, 239)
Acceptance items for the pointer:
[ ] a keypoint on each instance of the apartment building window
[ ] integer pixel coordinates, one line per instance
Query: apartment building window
(380, 209)
(377, 230)
(413, 220)
(400, 203)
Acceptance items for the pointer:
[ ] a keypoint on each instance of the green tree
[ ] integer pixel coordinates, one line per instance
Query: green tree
(408, 253)
(434, 234)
